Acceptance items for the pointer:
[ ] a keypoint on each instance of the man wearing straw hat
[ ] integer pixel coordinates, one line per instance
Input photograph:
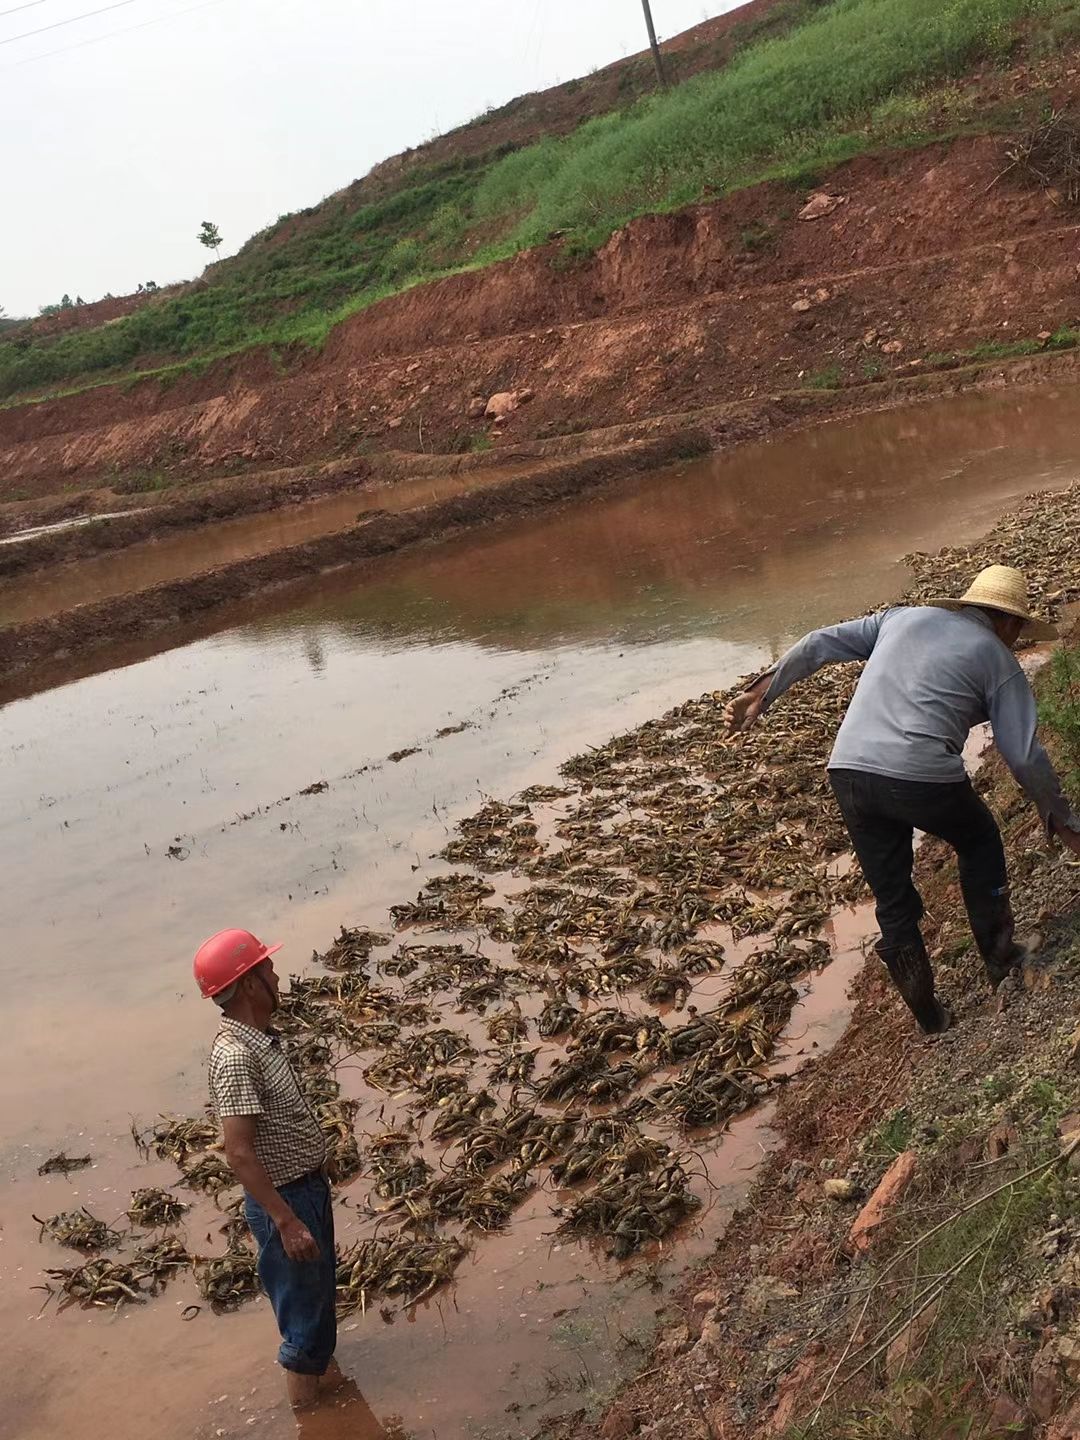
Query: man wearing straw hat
(932, 672)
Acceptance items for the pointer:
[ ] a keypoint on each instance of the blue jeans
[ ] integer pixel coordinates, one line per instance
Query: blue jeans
(302, 1292)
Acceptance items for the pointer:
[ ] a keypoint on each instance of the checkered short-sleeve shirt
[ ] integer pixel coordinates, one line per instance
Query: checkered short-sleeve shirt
(250, 1075)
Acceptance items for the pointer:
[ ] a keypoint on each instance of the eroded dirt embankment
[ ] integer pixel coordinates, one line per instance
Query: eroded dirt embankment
(376, 509)
(192, 502)
(923, 253)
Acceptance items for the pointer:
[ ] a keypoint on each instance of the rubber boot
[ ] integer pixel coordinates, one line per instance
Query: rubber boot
(909, 966)
(994, 928)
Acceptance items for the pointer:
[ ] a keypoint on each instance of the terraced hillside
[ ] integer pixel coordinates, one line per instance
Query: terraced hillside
(782, 91)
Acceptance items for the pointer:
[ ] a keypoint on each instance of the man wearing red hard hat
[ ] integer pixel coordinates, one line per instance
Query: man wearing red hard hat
(276, 1150)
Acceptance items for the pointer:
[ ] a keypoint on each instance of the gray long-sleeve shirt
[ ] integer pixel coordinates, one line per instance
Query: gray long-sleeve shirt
(931, 674)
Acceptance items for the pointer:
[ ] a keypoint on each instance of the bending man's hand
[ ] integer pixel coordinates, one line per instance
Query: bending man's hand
(743, 711)
(1069, 838)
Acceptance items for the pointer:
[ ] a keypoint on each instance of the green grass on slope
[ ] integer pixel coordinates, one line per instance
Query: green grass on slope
(271, 293)
(850, 74)
(723, 128)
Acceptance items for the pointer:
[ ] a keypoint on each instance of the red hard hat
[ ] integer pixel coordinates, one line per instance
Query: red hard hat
(226, 956)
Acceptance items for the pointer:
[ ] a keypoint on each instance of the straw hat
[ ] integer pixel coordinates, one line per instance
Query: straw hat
(1000, 587)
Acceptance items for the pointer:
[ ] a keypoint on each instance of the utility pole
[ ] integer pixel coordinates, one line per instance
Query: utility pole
(658, 59)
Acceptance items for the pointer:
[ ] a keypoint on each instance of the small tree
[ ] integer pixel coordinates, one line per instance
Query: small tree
(210, 236)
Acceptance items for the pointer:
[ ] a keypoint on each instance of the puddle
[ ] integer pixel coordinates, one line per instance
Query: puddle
(149, 805)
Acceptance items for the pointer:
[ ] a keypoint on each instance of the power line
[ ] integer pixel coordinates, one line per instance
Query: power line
(110, 35)
(28, 6)
(56, 25)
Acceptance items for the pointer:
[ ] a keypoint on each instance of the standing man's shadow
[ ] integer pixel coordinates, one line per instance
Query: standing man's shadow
(344, 1414)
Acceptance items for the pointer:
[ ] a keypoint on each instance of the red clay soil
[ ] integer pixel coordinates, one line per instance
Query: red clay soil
(676, 313)
(198, 503)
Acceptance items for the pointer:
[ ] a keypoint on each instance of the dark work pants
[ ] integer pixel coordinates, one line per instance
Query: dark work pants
(881, 815)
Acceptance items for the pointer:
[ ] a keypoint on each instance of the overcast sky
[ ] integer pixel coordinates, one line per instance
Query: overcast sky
(236, 111)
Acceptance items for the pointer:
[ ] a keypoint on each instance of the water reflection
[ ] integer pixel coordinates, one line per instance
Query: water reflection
(756, 544)
(221, 542)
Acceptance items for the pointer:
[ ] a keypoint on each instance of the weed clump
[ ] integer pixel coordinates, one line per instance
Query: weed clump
(1059, 708)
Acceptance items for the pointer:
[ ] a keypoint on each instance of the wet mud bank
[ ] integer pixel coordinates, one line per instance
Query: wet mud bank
(980, 438)
(252, 491)
(223, 501)
(892, 1139)
(129, 616)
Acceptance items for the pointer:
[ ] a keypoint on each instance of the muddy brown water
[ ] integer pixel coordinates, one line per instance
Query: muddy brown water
(539, 637)
(172, 556)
